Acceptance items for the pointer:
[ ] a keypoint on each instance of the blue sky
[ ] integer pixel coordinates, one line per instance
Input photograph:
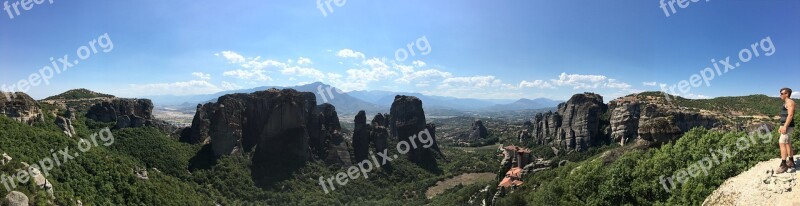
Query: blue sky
(477, 49)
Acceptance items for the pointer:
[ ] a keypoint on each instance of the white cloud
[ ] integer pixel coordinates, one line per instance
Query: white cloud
(231, 56)
(579, 81)
(418, 63)
(303, 61)
(794, 94)
(423, 77)
(201, 75)
(473, 81)
(536, 83)
(348, 53)
(614, 84)
(176, 88)
(651, 84)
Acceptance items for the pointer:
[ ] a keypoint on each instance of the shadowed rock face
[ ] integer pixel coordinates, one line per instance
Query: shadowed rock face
(128, 113)
(361, 137)
(407, 121)
(478, 130)
(20, 107)
(282, 129)
(125, 112)
(374, 134)
(574, 126)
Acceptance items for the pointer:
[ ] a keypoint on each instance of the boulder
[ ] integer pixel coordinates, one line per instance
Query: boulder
(15, 198)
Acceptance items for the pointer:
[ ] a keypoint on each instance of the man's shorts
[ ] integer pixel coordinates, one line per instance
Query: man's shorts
(786, 138)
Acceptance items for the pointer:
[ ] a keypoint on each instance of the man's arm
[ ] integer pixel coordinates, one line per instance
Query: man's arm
(790, 118)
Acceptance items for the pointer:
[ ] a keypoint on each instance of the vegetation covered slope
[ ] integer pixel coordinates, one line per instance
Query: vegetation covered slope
(634, 177)
(79, 94)
(178, 173)
(757, 104)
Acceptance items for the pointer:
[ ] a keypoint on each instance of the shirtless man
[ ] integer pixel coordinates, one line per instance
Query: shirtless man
(787, 126)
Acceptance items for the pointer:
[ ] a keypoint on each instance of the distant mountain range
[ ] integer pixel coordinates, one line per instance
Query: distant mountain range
(372, 101)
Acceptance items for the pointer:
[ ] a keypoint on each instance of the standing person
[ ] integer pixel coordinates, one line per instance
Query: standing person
(787, 126)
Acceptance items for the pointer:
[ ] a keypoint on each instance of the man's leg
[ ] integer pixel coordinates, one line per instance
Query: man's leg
(783, 151)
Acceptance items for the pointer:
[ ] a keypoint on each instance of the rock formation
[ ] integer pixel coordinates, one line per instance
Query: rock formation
(478, 130)
(575, 125)
(374, 134)
(20, 107)
(379, 136)
(580, 122)
(282, 129)
(407, 121)
(652, 122)
(66, 125)
(128, 113)
(326, 140)
(361, 137)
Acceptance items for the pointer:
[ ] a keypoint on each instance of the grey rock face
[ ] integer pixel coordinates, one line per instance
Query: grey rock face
(66, 125)
(407, 120)
(125, 112)
(574, 126)
(652, 123)
(478, 130)
(361, 137)
(20, 107)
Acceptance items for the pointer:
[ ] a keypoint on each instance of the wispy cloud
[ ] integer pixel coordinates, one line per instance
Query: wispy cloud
(348, 53)
(201, 75)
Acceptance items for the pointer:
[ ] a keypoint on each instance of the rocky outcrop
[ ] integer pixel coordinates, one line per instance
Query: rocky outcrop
(575, 125)
(523, 136)
(128, 113)
(325, 137)
(478, 130)
(379, 136)
(624, 119)
(15, 198)
(650, 122)
(66, 125)
(199, 131)
(20, 107)
(282, 129)
(125, 112)
(407, 121)
(374, 134)
(585, 121)
(360, 137)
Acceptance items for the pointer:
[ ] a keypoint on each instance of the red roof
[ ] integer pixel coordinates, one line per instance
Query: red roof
(514, 172)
